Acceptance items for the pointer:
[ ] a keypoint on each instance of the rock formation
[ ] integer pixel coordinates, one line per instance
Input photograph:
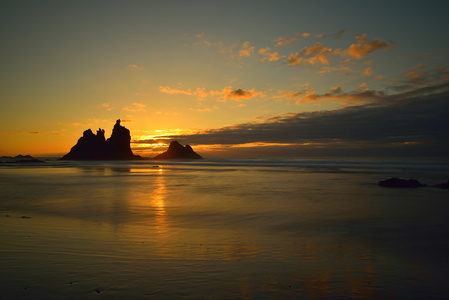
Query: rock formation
(443, 185)
(400, 183)
(95, 147)
(178, 151)
(20, 159)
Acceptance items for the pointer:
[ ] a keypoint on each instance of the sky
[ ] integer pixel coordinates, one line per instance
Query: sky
(230, 78)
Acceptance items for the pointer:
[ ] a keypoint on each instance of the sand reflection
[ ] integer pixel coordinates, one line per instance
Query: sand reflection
(158, 203)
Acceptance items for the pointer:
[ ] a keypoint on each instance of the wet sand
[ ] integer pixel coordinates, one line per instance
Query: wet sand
(190, 232)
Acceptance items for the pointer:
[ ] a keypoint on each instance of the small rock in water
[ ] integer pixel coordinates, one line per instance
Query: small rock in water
(25, 217)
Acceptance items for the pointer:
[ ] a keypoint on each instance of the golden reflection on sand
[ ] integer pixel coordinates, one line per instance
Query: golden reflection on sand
(158, 203)
(150, 202)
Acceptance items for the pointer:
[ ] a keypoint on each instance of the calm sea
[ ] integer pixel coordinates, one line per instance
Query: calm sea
(229, 229)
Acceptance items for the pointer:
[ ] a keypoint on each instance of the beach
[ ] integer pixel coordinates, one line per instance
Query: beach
(223, 229)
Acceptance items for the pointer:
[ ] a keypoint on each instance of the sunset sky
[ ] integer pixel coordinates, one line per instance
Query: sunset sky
(230, 78)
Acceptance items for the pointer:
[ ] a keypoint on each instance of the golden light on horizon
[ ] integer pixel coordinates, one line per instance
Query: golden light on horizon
(209, 82)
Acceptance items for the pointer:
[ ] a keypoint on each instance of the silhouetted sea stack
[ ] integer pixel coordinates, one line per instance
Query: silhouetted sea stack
(95, 147)
(400, 183)
(178, 151)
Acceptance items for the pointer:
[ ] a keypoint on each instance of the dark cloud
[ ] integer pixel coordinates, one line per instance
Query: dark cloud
(240, 94)
(336, 94)
(417, 117)
(150, 141)
(420, 76)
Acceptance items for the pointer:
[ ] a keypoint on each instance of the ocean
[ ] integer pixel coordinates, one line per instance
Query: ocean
(224, 229)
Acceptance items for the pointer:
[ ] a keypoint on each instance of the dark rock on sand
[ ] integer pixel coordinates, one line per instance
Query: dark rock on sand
(95, 147)
(400, 183)
(178, 151)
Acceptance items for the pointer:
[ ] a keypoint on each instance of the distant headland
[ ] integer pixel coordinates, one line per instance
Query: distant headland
(20, 159)
(118, 147)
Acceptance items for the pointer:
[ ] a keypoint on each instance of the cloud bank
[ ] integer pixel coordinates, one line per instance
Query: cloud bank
(415, 119)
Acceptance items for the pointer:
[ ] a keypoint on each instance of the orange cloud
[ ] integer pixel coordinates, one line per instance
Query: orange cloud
(169, 90)
(270, 56)
(204, 109)
(368, 72)
(215, 93)
(305, 34)
(225, 93)
(345, 70)
(361, 50)
(79, 124)
(246, 50)
(310, 55)
(284, 40)
(419, 75)
(107, 106)
(361, 39)
(288, 94)
(362, 86)
(135, 107)
(199, 92)
(135, 67)
(201, 41)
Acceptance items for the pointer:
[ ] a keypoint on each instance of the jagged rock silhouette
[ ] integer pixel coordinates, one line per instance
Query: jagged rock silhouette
(95, 147)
